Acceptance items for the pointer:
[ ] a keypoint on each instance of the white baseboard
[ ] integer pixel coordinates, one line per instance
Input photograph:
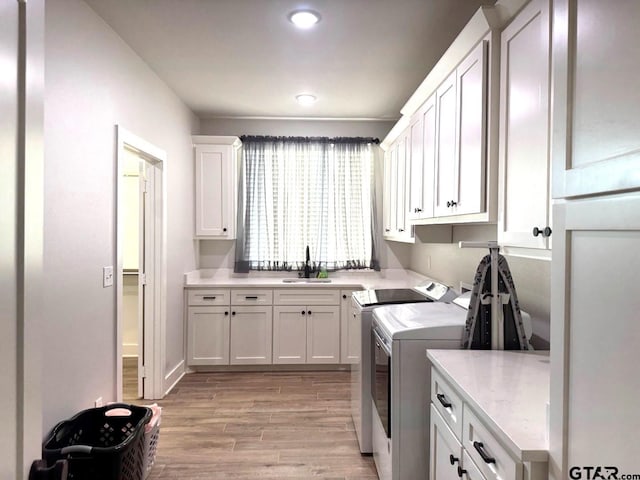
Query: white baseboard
(173, 377)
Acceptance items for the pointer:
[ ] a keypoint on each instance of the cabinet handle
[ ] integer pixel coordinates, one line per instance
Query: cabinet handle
(387, 229)
(302, 312)
(309, 312)
(461, 471)
(545, 232)
(233, 313)
(443, 400)
(224, 229)
(401, 229)
(208, 298)
(453, 459)
(418, 210)
(480, 449)
(452, 203)
(250, 297)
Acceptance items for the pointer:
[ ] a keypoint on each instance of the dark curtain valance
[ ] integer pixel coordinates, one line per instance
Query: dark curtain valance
(325, 140)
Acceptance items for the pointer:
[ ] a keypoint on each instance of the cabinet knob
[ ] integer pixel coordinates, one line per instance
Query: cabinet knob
(545, 232)
(224, 229)
(418, 210)
(344, 295)
(226, 313)
(233, 313)
(302, 312)
(453, 459)
(452, 203)
(461, 471)
(387, 229)
(401, 229)
(309, 312)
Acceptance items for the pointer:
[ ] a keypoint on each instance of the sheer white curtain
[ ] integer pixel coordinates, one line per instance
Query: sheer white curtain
(299, 192)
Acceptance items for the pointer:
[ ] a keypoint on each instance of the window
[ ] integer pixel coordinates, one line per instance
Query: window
(299, 192)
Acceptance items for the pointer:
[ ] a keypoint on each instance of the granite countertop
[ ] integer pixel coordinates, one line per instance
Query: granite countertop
(508, 390)
(388, 278)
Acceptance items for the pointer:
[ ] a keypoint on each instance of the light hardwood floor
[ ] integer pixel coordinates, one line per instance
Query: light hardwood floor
(260, 426)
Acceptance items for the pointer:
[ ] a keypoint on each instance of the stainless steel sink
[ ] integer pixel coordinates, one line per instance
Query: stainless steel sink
(306, 280)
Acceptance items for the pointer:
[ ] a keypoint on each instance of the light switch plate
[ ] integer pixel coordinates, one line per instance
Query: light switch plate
(107, 276)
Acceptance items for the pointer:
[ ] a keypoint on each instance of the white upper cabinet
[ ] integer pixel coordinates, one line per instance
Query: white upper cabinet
(596, 99)
(461, 138)
(445, 146)
(216, 174)
(524, 179)
(469, 167)
(397, 190)
(423, 149)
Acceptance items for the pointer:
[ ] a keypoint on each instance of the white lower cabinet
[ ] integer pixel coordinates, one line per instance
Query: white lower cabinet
(250, 326)
(465, 440)
(208, 336)
(446, 451)
(251, 331)
(323, 334)
(306, 334)
(350, 318)
(289, 334)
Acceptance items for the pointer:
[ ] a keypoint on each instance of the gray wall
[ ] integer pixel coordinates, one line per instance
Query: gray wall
(295, 128)
(452, 265)
(93, 82)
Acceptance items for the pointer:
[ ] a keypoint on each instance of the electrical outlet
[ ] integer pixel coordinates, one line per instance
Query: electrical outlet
(98, 402)
(107, 276)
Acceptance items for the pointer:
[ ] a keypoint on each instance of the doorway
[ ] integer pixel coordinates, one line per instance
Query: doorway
(140, 273)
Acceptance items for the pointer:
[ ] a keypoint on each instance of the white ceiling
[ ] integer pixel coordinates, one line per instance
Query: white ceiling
(242, 58)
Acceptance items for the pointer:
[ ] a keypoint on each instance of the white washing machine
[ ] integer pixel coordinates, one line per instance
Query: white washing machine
(401, 380)
(365, 302)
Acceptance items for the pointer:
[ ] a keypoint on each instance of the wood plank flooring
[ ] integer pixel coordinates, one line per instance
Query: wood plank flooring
(130, 379)
(267, 425)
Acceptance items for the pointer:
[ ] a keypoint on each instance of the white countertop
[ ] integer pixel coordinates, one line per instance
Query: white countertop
(223, 277)
(508, 391)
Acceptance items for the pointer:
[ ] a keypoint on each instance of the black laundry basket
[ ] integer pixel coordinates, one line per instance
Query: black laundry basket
(105, 443)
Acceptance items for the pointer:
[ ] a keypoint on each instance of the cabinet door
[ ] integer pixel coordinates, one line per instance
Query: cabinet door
(251, 339)
(428, 157)
(416, 165)
(349, 336)
(445, 146)
(290, 334)
(445, 452)
(215, 191)
(323, 334)
(402, 188)
(596, 146)
(393, 189)
(470, 165)
(469, 469)
(524, 194)
(595, 384)
(387, 220)
(208, 335)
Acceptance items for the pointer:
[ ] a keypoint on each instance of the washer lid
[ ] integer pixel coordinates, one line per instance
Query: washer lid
(421, 321)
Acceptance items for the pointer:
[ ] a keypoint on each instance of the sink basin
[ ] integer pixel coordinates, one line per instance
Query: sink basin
(306, 280)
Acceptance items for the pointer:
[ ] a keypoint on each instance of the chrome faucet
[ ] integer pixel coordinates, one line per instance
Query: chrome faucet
(307, 267)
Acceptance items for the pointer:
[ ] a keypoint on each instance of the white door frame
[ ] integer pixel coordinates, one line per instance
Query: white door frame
(155, 324)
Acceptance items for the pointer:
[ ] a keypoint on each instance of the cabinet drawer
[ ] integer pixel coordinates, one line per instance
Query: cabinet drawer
(251, 297)
(208, 297)
(447, 403)
(471, 469)
(491, 458)
(306, 296)
(445, 449)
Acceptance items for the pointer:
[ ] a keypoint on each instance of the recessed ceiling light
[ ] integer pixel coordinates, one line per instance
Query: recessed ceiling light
(304, 18)
(306, 99)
